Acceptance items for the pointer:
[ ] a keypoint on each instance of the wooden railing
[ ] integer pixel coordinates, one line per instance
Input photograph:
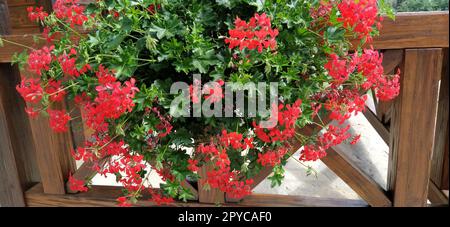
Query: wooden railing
(35, 162)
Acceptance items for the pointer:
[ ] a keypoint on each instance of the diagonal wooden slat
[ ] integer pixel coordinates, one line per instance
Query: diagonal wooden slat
(436, 196)
(377, 125)
(361, 183)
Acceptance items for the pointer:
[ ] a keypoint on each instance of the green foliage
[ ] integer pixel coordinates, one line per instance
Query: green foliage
(180, 38)
(419, 5)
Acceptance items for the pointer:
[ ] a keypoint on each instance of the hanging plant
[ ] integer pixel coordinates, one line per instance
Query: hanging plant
(119, 60)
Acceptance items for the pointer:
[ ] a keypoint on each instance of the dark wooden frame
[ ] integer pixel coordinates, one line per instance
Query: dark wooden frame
(417, 43)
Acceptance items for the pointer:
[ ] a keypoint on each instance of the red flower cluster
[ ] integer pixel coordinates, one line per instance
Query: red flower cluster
(124, 165)
(272, 157)
(113, 100)
(68, 64)
(235, 140)
(55, 91)
(284, 121)
(105, 76)
(160, 199)
(369, 64)
(359, 16)
(36, 14)
(342, 103)
(338, 69)
(332, 137)
(123, 201)
(223, 177)
(58, 120)
(40, 60)
(388, 88)
(256, 34)
(193, 165)
(30, 89)
(312, 153)
(77, 185)
(227, 181)
(70, 11)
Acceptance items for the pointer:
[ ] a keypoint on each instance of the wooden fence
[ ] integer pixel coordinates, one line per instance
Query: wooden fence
(35, 162)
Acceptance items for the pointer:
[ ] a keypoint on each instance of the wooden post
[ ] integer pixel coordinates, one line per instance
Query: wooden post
(53, 155)
(439, 168)
(18, 169)
(413, 127)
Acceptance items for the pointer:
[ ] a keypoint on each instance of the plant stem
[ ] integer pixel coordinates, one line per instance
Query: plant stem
(17, 44)
(68, 27)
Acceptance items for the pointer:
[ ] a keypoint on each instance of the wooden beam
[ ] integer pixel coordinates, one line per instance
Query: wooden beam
(264, 200)
(436, 196)
(362, 184)
(101, 196)
(413, 30)
(439, 167)
(391, 60)
(413, 126)
(377, 125)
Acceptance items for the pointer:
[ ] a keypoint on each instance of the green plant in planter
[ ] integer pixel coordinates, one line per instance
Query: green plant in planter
(169, 85)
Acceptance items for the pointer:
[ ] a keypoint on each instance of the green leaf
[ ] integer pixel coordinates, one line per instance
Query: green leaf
(160, 32)
(185, 194)
(126, 24)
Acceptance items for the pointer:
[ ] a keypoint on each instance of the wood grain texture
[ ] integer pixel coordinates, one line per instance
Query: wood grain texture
(436, 196)
(362, 184)
(18, 168)
(101, 196)
(439, 167)
(10, 188)
(53, 154)
(391, 60)
(413, 30)
(262, 200)
(413, 126)
(445, 170)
